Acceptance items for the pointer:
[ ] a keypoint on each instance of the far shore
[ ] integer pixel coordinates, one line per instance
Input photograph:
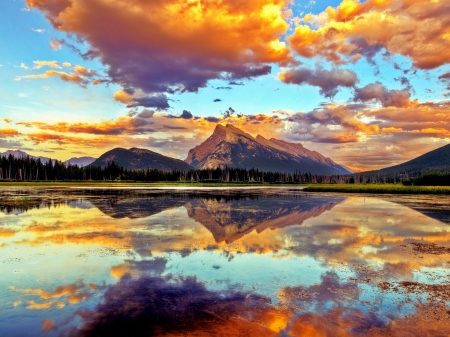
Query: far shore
(341, 188)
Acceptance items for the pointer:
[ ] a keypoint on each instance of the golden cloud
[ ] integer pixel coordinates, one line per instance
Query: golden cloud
(61, 74)
(342, 34)
(227, 39)
(51, 64)
(8, 133)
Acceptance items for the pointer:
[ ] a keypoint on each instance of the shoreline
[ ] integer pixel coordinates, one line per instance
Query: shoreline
(316, 188)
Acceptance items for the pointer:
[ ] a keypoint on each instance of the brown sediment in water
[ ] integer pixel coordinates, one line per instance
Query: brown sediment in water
(429, 248)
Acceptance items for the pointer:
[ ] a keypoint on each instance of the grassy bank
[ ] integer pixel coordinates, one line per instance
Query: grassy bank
(344, 188)
(106, 184)
(378, 188)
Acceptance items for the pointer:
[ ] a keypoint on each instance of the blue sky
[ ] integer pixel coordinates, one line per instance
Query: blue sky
(364, 104)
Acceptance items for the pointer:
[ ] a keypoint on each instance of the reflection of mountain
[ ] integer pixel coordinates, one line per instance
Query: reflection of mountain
(229, 221)
(137, 207)
(433, 207)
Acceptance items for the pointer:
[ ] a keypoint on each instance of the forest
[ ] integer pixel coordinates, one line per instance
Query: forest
(30, 169)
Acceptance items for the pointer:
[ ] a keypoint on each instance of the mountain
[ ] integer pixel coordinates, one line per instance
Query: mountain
(80, 161)
(140, 159)
(436, 160)
(232, 147)
(21, 154)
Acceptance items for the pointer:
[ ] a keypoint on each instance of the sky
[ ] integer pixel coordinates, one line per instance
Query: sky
(366, 83)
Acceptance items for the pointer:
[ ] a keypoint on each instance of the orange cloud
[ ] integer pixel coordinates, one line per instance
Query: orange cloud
(39, 306)
(8, 133)
(122, 96)
(6, 233)
(48, 325)
(83, 71)
(342, 34)
(61, 74)
(226, 39)
(51, 64)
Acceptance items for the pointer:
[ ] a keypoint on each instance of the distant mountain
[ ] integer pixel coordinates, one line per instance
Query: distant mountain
(232, 147)
(80, 161)
(436, 160)
(21, 154)
(140, 159)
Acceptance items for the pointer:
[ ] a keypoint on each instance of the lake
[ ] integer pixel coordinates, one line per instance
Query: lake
(222, 262)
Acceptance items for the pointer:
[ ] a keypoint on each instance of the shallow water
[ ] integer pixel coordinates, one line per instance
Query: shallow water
(239, 262)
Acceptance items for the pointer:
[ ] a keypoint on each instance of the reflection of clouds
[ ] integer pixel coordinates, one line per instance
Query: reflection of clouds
(153, 306)
(329, 291)
(71, 293)
(135, 269)
(203, 248)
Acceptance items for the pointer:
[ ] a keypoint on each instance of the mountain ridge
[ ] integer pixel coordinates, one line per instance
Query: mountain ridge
(435, 160)
(140, 159)
(232, 147)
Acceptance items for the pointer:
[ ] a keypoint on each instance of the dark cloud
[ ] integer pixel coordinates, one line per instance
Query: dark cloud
(146, 114)
(10, 144)
(224, 88)
(377, 91)
(329, 81)
(157, 101)
(366, 50)
(217, 100)
(212, 119)
(184, 115)
(235, 83)
(446, 79)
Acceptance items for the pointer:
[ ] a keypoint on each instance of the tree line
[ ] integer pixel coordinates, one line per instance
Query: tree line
(30, 169)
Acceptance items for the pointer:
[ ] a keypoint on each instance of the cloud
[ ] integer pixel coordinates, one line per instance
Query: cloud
(176, 46)
(51, 64)
(83, 71)
(132, 306)
(377, 91)
(61, 74)
(217, 100)
(445, 76)
(328, 81)
(398, 26)
(55, 44)
(22, 65)
(213, 119)
(146, 114)
(5, 133)
(184, 115)
(157, 101)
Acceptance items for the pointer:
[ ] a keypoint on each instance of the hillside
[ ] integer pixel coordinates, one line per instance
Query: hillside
(140, 159)
(436, 160)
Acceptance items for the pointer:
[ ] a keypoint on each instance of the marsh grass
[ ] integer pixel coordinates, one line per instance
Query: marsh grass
(378, 188)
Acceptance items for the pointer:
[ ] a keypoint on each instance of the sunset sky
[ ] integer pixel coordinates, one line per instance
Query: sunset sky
(366, 83)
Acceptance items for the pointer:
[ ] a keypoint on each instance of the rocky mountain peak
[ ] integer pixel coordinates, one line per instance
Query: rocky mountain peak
(232, 147)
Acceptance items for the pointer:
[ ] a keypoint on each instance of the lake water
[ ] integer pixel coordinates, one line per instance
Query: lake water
(218, 262)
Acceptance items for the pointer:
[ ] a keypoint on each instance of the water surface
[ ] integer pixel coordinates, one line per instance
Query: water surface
(238, 262)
